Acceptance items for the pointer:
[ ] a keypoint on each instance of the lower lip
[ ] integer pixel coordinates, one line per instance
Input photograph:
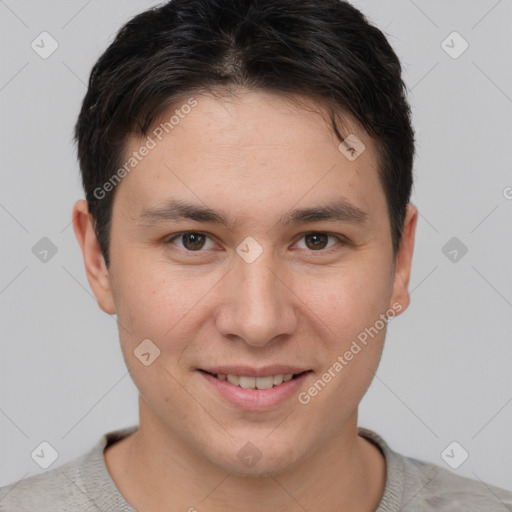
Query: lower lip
(257, 399)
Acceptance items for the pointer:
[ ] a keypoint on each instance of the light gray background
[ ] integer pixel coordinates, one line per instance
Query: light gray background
(446, 369)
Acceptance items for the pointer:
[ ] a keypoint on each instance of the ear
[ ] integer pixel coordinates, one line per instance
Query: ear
(403, 259)
(95, 268)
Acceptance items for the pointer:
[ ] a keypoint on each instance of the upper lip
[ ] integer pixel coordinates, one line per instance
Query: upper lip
(248, 371)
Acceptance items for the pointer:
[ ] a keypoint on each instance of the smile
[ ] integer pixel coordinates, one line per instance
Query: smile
(246, 382)
(256, 392)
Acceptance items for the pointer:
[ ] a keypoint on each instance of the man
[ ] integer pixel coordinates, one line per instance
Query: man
(248, 168)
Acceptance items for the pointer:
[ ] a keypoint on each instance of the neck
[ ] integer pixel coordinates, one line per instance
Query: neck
(153, 470)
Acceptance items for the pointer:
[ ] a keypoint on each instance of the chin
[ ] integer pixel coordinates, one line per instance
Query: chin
(261, 470)
(258, 459)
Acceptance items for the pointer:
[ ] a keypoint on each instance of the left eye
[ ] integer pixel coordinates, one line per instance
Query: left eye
(318, 241)
(194, 241)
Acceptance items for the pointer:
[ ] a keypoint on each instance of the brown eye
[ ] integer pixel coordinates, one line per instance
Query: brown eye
(317, 241)
(190, 241)
(193, 241)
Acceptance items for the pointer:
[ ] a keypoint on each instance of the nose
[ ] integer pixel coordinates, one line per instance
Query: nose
(258, 303)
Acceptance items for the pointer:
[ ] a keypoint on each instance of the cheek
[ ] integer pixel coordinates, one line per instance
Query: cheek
(154, 304)
(350, 337)
(347, 299)
(157, 298)
(162, 307)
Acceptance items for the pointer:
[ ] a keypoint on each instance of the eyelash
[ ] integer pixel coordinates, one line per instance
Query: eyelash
(340, 239)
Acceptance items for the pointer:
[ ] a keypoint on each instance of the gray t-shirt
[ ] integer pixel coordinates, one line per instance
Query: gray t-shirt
(84, 484)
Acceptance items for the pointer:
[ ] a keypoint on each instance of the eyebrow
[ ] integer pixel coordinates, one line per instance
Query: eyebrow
(173, 210)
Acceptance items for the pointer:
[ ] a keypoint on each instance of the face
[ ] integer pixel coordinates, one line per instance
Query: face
(246, 243)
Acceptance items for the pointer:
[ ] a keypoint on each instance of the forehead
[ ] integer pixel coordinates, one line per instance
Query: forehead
(269, 147)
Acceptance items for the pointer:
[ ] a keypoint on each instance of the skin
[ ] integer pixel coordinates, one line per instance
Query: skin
(255, 156)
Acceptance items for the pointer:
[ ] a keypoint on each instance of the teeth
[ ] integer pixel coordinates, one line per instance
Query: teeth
(278, 379)
(265, 382)
(233, 379)
(255, 382)
(247, 382)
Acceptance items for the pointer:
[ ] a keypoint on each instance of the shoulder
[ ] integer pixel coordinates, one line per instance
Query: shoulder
(56, 490)
(83, 484)
(420, 486)
(435, 488)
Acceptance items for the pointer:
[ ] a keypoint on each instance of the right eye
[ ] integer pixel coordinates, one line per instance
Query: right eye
(191, 241)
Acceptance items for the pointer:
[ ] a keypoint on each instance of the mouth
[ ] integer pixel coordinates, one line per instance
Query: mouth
(255, 389)
(251, 382)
